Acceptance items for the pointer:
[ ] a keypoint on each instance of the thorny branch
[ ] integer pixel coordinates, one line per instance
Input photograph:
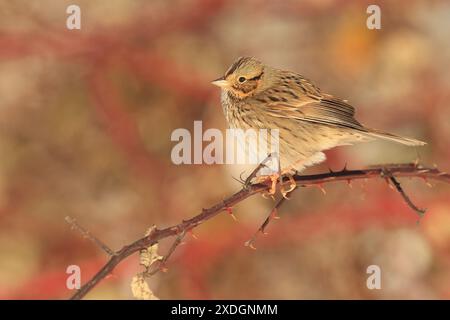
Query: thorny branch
(390, 172)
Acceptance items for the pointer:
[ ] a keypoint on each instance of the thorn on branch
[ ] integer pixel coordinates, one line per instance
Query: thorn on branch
(345, 168)
(192, 234)
(320, 186)
(388, 182)
(110, 276)
(427, 182)
(230, 212)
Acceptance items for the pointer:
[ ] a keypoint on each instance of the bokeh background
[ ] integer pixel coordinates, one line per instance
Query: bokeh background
(85, 123)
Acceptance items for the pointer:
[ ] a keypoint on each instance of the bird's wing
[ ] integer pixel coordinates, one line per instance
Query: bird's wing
(302, 103)
(324, 111)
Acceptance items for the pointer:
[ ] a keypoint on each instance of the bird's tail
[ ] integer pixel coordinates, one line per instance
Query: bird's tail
(392, 137)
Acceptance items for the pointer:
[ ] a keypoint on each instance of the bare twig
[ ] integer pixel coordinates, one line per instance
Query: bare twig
(398, 187)
(74, 224)
(272, 215)
(397, 171)
(162, 264)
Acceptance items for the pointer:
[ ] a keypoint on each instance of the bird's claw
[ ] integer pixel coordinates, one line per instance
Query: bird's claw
(292, 186)
(273, 179)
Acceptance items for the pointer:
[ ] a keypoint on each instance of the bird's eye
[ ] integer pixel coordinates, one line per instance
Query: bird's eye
(242, 79)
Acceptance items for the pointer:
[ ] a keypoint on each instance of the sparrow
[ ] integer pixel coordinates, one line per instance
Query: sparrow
(309, 121)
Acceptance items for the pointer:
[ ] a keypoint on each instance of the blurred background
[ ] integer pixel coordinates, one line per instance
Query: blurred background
(85, 123)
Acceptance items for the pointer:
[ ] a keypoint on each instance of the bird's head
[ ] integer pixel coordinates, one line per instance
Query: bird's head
(243, 78)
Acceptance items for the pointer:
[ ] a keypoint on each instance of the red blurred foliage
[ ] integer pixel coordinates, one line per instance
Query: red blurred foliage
(125, 48)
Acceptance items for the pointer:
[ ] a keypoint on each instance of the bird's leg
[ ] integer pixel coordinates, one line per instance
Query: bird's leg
(255, 172)
(274, 180)
(272, 177)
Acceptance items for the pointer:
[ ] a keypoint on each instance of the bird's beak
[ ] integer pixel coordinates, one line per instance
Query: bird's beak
(221, 82)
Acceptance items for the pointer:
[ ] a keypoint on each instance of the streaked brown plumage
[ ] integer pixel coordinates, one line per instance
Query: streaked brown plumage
(258, 96)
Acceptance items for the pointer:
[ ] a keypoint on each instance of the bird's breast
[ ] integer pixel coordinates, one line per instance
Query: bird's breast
(234, 110)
